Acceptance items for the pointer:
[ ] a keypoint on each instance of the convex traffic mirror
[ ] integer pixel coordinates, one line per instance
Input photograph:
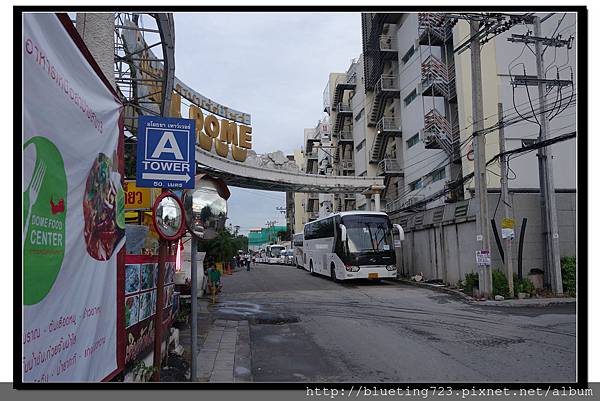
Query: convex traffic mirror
(168, 216)
(206, 207)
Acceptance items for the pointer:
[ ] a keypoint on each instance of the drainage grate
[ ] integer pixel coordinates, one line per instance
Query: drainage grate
(496, 341)
(275, 320)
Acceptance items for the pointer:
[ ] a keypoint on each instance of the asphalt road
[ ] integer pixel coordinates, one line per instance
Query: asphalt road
(308, 328)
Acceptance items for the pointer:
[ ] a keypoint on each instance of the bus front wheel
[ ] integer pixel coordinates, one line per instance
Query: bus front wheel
(333, 276)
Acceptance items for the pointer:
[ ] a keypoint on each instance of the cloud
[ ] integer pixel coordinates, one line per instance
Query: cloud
(272, 65)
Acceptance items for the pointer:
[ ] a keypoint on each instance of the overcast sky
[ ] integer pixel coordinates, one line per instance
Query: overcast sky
(274, 66)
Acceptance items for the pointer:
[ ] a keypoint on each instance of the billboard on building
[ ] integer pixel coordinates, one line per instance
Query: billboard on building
(73, 208)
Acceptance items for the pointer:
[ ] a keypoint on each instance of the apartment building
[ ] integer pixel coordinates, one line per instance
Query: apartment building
(299, 216)
(418, 105)
(339, 106)
(316, 157)
(402, 110)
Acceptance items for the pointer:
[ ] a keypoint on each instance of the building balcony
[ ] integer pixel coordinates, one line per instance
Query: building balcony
(437, 133)
(387, 127)
(437, 78)
(390, 167)
(343, 111)
(387, 87)
(388, 47)
(342, 84)
(345, 135)
(343, 108)
(435, 29)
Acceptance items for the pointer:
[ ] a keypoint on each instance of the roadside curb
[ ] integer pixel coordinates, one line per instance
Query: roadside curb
(463, 297)
(513, 303)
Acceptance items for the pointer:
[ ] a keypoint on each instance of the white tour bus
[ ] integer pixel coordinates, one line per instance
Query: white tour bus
(272, 253)
(297, 243)
(351, 245)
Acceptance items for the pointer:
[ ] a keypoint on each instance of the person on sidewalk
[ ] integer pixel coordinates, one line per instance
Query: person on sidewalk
(214, 278)
(247, 261)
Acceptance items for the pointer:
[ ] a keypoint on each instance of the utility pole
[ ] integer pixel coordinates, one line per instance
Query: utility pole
(483, 222)
(194, 293)
(552, 272)
(504, 195)
(548, 198)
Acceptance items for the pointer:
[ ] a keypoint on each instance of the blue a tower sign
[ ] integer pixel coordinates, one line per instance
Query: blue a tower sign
(166, 152)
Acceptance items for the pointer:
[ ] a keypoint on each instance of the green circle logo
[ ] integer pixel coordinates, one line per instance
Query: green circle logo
(44, 215)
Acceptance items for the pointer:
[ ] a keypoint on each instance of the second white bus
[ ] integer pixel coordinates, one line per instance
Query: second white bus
(297, 244)
(352, 245)
(272, 253)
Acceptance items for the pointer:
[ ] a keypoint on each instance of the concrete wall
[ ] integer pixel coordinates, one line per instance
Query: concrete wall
(442, 246)
(97, 31)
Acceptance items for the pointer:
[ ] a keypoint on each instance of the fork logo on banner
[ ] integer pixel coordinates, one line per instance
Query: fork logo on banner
(166, 152)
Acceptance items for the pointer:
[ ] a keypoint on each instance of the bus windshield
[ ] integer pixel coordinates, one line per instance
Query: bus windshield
(276, 250)
(368, 233)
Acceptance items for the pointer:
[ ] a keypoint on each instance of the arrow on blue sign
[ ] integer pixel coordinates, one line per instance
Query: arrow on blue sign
(154, 176)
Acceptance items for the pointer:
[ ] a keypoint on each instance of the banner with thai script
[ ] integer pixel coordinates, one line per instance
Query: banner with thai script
(73, 208)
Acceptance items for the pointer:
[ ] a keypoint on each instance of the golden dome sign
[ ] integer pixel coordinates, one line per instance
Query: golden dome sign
(233, 131)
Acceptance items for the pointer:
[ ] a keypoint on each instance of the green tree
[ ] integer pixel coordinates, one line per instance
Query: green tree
(224, 246)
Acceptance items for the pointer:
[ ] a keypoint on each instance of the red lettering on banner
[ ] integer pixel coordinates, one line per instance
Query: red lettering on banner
(42, 60)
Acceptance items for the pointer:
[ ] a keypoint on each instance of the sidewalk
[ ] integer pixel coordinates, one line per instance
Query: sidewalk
(224, 356)
(528, 302)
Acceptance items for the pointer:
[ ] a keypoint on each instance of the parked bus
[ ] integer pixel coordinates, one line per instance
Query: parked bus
(298, 243)
(272, 253)
(351, 245)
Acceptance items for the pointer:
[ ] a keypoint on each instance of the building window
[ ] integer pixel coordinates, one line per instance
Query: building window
(408, 54)
(411, 96)
(359, 115)
(412, 141)
(416, 184)
(438, 175)
(360, 145)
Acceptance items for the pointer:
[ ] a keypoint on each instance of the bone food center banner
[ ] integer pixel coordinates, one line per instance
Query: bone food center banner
(73, 208)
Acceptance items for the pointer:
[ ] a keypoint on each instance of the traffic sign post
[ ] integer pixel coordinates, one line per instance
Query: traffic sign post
(166, 153)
